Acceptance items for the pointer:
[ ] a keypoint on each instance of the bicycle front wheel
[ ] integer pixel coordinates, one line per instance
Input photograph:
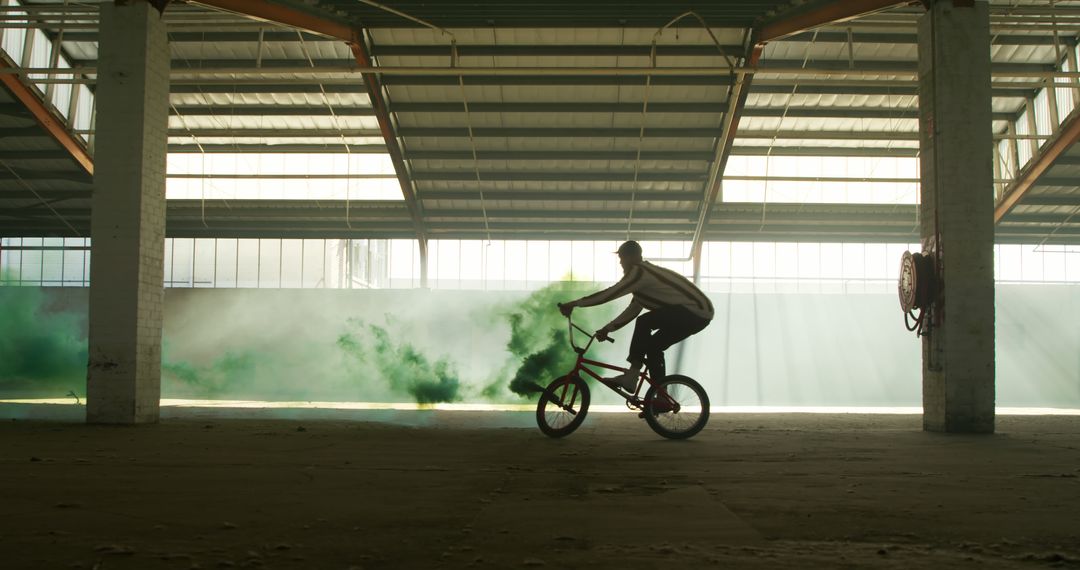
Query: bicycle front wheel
(677, 408)
(562, 406)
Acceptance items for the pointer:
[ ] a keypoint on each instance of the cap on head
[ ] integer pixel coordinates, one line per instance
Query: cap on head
(629, 249)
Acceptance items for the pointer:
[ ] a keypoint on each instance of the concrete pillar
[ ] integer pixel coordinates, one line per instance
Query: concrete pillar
(128, 223)
(957, 214)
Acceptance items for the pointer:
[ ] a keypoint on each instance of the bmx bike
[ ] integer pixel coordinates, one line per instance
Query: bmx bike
(675, 407)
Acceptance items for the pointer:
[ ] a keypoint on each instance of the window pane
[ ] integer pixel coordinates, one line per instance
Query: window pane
(226, 262)
(269, 263)
(204, 263)
(247, 271)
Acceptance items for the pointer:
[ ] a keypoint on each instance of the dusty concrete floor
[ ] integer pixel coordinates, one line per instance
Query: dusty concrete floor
(461, 489)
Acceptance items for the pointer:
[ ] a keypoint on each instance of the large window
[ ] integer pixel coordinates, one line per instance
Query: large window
(822, 179)
(277, 176)
(513, 265)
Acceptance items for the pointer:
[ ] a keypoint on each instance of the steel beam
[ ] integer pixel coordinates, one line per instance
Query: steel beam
(1049, 200)
(533, 132)
(563, 196)
(706, 155)
(336, 148)
(45, 117)
(286, 15)
(559, 175)
(803, 150)
(730, 126)
(51, 175)
(397, 157)
(1059, 181)
(281, 14)
(1058, 144)
(268, 111)
(527, 77)
(238, 87)
(819, 13)
(558, 107)
(48, 195)
(627, 155)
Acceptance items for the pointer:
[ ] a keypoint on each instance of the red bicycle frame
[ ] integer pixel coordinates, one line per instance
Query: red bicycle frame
(580, 366)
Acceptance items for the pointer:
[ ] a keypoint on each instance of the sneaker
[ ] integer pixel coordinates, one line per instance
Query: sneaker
(627, 380)
(661, 406)
(658, 407)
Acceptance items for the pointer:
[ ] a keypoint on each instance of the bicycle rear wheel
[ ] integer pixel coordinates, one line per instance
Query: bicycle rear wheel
(677, 408)
(562, 406)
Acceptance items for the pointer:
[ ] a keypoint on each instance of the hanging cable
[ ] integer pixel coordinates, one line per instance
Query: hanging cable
(472, 139)
(38, 196)
(464, 99)
(645, 99)
(202, 153)
(776, 133)
(194, 138)
(641, 139)
(337, 125)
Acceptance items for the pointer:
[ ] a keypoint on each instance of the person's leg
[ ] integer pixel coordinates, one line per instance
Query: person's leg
(639, 344)
(673, 325)
(642, 339)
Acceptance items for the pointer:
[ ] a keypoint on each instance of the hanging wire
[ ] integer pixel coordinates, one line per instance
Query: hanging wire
(645, 97)
(202, 154)
(461, 83)
(341, 132)
(641, 138)
(194, 138)
(38, 196)
(776, 133)
(472, 139)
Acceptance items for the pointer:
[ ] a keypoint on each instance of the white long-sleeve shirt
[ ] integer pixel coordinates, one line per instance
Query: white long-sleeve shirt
(653, 287)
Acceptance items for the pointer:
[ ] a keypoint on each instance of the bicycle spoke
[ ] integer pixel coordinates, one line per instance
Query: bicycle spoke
(678, 408)
(563, 406)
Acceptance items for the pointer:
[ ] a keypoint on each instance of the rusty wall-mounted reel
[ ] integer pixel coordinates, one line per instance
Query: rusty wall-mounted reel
(917, 288)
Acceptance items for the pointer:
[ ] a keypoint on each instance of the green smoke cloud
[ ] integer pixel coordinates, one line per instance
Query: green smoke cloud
(224, 376)
(539, 341)
(400, 364)
(42, 352)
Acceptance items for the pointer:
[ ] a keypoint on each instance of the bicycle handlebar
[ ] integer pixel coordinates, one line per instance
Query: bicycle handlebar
(592, 336)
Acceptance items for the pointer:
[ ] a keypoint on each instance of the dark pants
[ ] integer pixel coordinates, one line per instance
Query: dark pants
(672, 324)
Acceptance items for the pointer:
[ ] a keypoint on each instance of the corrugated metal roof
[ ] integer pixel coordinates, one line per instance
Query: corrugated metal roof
(578, 145)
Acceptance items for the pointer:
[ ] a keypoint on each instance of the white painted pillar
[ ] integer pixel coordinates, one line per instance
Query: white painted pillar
(128, 220)
(957, 214)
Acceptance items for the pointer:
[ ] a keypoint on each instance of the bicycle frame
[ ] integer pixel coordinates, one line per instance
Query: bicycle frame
(580, 365)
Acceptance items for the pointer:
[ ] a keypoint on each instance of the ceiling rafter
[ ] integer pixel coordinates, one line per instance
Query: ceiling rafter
(1059, 144)
(288, 15)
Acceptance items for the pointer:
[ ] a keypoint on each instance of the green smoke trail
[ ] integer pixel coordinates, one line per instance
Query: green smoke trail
(228, 375)
(42, 352)
(401, 365)
(539, 340)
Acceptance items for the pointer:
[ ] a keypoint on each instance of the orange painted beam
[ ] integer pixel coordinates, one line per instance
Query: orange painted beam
(45, 117)
(277, 13)
(827, 13)
(1066, 136)
(382, 114)
(712, 192)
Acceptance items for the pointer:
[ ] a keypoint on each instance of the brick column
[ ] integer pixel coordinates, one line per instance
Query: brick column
(957, 214)
(128, 222)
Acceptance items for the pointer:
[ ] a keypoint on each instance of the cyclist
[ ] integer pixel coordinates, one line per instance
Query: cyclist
(677, 309)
